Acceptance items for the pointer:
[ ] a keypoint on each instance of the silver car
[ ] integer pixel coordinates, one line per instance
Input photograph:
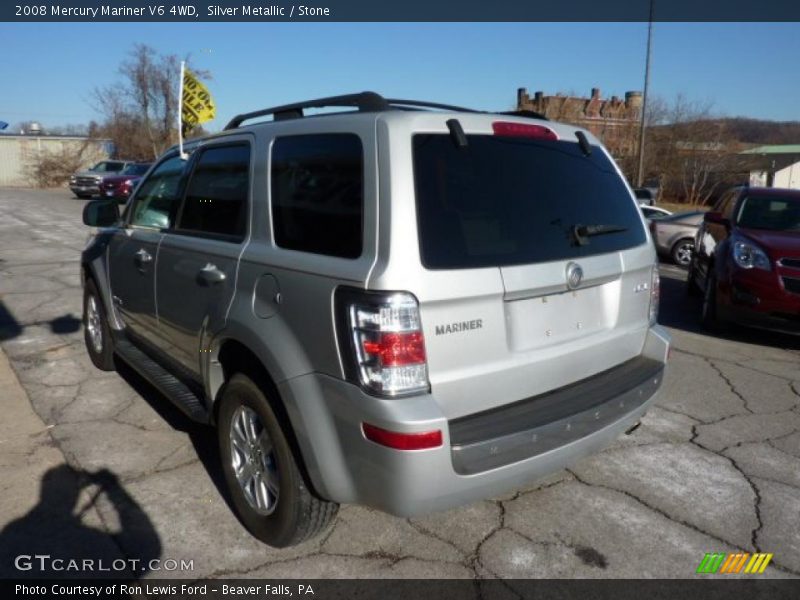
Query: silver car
(405, 305)
(653, 212)
(674, 235)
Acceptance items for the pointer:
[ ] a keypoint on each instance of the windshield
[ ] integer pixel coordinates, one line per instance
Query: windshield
(135, 170)
(107, 167)
(503, 201)
(769, 212)
(651, 213)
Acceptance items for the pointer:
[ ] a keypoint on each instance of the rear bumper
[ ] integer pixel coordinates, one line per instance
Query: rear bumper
(482, 455)
(550, 421)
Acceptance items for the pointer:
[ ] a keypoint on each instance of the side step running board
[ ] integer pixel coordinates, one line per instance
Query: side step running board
(173, 388)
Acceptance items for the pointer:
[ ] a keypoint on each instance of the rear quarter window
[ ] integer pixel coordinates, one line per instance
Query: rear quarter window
(503, 201)
(317, 188)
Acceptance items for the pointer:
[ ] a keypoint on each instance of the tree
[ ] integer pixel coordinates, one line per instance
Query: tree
(687, 149)
(655, 114)
(141, 115)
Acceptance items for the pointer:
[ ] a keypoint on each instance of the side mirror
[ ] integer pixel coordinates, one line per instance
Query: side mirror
(100, 213)
(716, 218)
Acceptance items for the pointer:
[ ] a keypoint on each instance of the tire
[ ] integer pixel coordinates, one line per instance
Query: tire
(274, 502)
(83, 196)
(96, 332)
(681, 253)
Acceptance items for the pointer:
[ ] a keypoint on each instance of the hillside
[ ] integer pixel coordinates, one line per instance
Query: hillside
(756, 131)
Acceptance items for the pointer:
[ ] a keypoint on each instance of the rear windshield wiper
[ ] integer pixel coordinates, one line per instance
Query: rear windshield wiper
(582, 233)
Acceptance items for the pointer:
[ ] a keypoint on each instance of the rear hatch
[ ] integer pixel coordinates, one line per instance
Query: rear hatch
(501, 222)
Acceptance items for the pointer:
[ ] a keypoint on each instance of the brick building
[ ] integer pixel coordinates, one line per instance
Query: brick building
(615, 121)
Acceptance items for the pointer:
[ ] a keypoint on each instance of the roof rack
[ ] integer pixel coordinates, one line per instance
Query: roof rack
(363, 102)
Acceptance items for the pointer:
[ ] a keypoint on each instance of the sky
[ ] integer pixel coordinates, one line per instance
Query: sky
(743, 69)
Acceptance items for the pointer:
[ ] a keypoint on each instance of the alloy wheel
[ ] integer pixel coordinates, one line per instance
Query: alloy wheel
(253, 460)
(94, 324)
(683, 253)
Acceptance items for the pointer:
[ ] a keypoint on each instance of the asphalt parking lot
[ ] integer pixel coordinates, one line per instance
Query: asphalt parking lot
(115, 472)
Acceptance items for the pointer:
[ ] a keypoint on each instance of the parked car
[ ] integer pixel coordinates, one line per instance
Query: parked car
(747, 263)
(85, 184)
(654, 212)
(370, 310)
(119, 187)
(674, 235)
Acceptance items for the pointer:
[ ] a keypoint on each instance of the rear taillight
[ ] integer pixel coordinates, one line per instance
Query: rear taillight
(655, 295)
(382, 341)
(510, 129)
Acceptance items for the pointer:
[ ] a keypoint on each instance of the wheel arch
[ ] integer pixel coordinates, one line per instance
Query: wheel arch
(232, 356)
(94, 266)
(678, 240)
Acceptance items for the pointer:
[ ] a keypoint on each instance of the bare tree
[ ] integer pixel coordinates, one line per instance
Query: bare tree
(52, 167)
(686, 149)
(141, 114)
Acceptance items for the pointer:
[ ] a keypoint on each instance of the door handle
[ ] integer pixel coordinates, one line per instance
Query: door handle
(142, 257)
(210, 275)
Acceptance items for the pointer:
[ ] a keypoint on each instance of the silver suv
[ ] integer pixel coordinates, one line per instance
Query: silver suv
(404, 304)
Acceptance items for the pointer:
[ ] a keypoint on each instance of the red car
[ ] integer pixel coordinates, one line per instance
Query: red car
(120, 185)
(747, 259)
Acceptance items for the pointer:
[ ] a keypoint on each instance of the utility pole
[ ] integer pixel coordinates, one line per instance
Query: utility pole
(640, 170)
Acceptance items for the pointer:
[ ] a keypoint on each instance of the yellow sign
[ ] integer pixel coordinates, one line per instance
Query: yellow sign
(197, 105)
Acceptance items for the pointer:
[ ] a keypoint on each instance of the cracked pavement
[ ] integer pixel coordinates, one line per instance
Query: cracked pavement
(715, 466)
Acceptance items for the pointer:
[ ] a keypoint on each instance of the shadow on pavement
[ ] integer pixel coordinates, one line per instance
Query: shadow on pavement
(681, 311)
(65, 324)
(202, 437)
(11, 328)
(54, 529)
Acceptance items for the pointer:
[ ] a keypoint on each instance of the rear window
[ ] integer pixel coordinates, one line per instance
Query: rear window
(503, 201)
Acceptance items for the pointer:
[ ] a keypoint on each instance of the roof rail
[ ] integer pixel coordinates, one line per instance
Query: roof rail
(412, 104)
(363, 101)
